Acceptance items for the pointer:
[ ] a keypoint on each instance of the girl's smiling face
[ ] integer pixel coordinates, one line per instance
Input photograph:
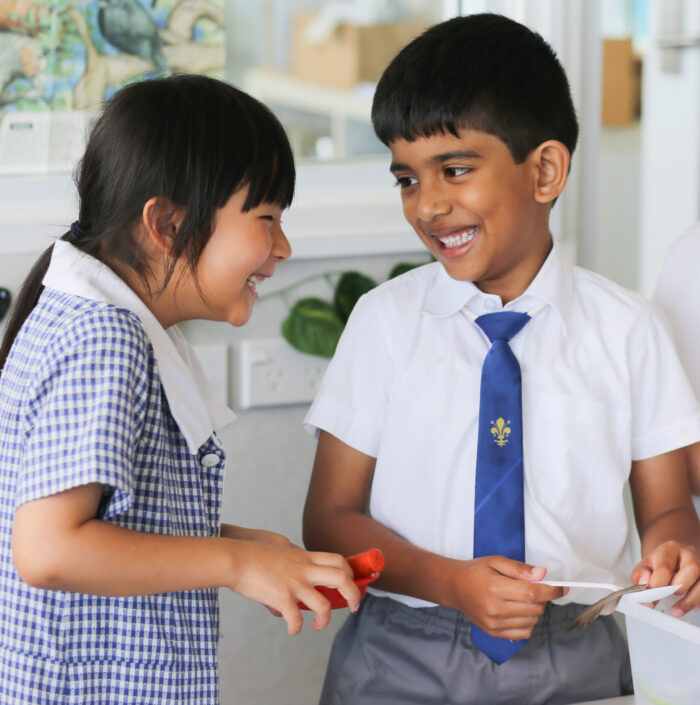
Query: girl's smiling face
(474, 208)
(241, 254)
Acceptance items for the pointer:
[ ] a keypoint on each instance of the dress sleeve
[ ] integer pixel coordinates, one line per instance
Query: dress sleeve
(665, 411)
(86, 410)
(352, 397)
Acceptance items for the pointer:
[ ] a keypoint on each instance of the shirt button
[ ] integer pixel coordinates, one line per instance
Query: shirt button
(490, 304)
(210, 460)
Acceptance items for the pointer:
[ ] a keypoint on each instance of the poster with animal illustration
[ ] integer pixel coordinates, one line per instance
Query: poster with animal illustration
(60, 59)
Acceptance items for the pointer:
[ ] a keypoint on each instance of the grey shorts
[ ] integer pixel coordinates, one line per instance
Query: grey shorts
(391, 654)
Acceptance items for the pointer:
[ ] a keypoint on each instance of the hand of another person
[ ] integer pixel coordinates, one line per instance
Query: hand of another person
(502, 596)
(672, 563)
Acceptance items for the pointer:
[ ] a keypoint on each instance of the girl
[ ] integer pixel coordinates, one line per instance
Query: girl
(111, 547)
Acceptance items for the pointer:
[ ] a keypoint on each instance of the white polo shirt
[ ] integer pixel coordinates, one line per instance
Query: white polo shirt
(678, 293)
(602, 386)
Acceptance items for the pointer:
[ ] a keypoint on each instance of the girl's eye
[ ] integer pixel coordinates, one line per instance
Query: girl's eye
(452, 171)
(405, 181)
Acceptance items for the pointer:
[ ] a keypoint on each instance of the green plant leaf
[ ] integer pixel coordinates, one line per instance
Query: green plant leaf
(348, 290)
(313, 327)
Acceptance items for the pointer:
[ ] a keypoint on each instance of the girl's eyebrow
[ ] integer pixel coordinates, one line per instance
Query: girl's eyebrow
(439, 159)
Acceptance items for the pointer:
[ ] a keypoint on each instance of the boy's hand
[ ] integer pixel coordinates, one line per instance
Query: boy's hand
(672, 563)
(500, 595)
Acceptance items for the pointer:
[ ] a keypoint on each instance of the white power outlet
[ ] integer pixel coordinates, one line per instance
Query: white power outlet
(269, 372)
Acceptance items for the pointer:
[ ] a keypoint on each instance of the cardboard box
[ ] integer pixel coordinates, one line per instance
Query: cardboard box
(351, 54)
(665, 653)
(622, 80)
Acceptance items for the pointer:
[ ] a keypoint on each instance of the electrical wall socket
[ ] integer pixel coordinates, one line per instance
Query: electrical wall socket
(269, 372)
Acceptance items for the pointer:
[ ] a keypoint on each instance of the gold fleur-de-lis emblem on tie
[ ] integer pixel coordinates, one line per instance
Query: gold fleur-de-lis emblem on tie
(500, 430)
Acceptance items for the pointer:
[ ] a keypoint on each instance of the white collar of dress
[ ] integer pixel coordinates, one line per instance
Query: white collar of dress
(194, 404)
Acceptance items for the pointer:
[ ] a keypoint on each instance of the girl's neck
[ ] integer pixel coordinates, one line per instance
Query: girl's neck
(160, 300)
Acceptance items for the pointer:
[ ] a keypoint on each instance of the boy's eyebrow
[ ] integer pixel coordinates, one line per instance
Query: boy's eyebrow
(439, 159)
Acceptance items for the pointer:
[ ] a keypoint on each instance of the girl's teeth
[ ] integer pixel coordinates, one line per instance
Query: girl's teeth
(457, 240)
(252, 283)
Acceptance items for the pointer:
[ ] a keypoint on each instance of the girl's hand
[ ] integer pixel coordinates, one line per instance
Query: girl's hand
(279, 577)
(672, 563)
(500, 595)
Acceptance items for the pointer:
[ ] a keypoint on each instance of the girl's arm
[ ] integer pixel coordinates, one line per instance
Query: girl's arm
(668, 526)
(230, 531)
(58, 544)
(495, 592)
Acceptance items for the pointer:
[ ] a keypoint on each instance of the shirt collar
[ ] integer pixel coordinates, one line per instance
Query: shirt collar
(552, 285)
(194, 404)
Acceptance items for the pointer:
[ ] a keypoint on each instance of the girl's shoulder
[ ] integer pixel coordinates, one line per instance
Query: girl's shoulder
(61, 322)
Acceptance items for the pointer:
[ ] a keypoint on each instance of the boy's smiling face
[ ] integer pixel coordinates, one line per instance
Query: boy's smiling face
(481, 214)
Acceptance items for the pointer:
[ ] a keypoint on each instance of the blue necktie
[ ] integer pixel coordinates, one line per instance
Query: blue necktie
(499, 516)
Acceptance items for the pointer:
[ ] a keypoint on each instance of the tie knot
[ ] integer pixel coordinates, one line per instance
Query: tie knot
(502, 325)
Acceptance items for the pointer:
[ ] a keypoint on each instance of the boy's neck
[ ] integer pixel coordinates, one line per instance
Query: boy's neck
(508, 287)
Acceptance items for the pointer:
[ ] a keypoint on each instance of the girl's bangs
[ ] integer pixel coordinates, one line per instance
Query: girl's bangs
(271, 174)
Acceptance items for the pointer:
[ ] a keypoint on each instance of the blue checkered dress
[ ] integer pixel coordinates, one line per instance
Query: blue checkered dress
(81, 401)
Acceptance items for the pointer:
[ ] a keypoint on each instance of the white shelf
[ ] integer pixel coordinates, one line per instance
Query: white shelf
(269, 85)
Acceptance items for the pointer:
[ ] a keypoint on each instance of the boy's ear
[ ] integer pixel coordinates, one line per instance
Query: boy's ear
(161, 218)
(551, 160)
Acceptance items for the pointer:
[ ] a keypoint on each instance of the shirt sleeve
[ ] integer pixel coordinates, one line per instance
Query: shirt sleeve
(352, 397)
(86, 411)
(666, 414)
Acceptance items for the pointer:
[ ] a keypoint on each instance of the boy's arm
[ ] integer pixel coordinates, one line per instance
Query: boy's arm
(668, 526)
(693, 457)
(496, 593)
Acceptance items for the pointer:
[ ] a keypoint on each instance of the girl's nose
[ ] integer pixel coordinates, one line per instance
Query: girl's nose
(281, 249)
(432, 202)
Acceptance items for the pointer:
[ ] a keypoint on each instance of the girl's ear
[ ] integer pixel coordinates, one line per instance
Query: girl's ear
(161, 218)
(551, 160)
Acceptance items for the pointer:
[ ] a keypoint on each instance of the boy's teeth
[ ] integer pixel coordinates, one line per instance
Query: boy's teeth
(457, 240)
(252, 282)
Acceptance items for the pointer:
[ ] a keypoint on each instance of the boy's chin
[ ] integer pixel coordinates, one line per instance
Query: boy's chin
(459, 273)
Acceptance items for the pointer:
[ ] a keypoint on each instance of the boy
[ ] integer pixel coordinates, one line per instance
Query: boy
(425, 447)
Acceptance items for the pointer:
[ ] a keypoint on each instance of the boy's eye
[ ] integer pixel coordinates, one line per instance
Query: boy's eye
(452, 171)
(405, 181)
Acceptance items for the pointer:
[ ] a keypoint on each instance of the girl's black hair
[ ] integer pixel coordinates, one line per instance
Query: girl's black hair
(484, 72)
(189, 139)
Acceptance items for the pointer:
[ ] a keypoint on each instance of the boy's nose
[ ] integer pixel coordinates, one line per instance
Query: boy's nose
(281, 249)
(431, 203)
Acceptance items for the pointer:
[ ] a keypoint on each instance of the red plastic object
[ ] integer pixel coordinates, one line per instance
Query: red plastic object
(366, 567)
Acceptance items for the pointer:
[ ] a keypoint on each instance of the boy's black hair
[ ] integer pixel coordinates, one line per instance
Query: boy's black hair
(484, 72)
(189, 139)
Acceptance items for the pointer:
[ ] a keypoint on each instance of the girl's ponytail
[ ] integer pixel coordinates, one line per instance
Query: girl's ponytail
(24, 303)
